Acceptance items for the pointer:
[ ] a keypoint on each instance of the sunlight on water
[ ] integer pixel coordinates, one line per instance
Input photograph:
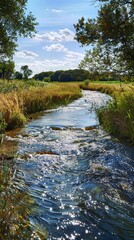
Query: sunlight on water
(80, 178)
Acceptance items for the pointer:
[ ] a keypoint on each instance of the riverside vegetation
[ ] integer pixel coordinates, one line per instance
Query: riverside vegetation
(117, 117)
(20, 98)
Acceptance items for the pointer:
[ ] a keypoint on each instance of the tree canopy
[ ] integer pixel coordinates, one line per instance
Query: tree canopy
(73, 75)
(42, 75)
(14, 22)
(63, 75)
(6, 69)
(112, 33)
(26, 72)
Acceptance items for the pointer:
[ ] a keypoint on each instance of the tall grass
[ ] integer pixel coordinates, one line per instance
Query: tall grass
(117, 117)
(30, 97)
(109, 88)
(15, 208)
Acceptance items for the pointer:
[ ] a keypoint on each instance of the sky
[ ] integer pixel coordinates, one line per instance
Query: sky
(53, 47)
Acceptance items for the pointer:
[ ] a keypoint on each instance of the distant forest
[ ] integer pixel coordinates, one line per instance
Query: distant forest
(63, 76)
(75, 75)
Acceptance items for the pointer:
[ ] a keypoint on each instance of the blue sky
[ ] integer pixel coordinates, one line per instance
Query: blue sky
(53, 46)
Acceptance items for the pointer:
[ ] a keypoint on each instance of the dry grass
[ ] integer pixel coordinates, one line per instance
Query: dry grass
(113, 89)
(16, 105)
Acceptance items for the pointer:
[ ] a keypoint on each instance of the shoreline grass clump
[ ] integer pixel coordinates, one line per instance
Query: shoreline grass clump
(31, 98)
(113, 89)
(117, 117)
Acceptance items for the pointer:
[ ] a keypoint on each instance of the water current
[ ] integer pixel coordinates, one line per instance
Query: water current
(80, 178)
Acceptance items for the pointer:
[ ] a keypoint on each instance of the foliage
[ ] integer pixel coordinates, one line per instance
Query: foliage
(18, 75)
(69, 75)
(26, 72)
(100, 64)
(55, 76)
(6, 69)
(14, 22)
(117, 117)
(86, 82)
(111, 33)
(14, 85)
(42, 75)
(46, 79)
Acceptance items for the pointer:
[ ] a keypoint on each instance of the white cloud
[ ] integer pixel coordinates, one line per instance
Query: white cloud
(57, 10)
(75, 55)
(26, 54)
(54, 10)
(61, 48)
(56, 47)
(53, 65)
(63, 35)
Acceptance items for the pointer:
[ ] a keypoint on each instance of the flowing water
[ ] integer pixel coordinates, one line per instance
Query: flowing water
(80, 178)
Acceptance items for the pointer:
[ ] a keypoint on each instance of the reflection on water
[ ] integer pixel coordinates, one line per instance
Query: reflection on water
(81, 180)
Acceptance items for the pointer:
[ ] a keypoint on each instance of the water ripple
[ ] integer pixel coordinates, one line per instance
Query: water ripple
(81, 179)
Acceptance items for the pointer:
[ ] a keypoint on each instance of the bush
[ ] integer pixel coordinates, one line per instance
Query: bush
(118, 116)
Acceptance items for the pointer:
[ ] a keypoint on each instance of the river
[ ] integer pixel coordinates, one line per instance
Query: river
(80, 178)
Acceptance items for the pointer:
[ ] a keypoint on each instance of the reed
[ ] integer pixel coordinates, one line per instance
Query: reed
(117, 117)
(109, 88)
(28, 98)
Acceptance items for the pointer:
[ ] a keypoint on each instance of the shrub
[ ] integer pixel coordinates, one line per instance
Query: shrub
(118, 116)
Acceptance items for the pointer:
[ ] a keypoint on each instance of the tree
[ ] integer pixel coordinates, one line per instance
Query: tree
(18, 75)
(42, 75)
(55, 76)
(14, 22)
(6, 69)
(73, 75)
(101, 63)
(26, 72)
(112, 32)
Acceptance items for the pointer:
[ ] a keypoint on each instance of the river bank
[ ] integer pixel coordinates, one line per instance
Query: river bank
(18, 99)
(117, 117)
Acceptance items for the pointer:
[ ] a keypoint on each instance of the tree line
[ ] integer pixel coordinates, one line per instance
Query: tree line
(73, 75)
(63, 75)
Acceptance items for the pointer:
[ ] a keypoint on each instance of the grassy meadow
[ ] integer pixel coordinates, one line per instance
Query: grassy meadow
(117, 117)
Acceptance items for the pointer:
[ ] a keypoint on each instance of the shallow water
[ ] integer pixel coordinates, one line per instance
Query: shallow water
(81, 180)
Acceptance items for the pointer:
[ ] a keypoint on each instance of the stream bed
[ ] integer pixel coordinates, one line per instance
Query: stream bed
(80, 178)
